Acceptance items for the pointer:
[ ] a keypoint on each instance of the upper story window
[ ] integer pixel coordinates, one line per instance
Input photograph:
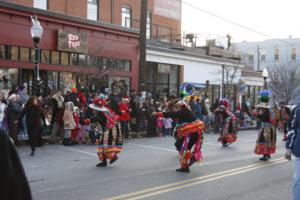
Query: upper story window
(92, 9)
(276, 54)
(41, 4)
(263, 57)
(149, 22)
(293, 54)
(126, 16)
(251, 59)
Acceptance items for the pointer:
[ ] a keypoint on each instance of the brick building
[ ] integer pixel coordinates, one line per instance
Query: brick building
(108, 34)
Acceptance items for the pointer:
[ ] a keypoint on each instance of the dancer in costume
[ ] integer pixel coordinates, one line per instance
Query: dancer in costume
(189, 135)
(228, 133)
(266, 140)
(110, 139)
(284, 114)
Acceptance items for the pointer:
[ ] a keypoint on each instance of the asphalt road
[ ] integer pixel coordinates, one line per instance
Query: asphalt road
(146, 170)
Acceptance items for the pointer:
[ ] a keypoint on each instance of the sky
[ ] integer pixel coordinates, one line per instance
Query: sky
(276, 18)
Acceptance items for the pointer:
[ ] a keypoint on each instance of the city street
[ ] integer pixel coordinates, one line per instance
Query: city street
(146, 170)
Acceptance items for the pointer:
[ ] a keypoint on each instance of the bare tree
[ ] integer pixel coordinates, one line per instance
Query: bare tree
(230, 75)
(285, 82)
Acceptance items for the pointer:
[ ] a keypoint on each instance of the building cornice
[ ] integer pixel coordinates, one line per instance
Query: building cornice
(205, 58)
(66, 19)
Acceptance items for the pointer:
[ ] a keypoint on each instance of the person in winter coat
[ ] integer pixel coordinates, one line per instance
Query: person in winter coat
(13, 181)
(34, 116)
(73, 97)
(125, 117)
(75, 131)
(69, 123)
(2, 108)
(293, 147)
(14, 109)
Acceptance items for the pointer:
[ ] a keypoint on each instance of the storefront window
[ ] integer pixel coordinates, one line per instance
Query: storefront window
(120, 65)
(14, 53)
(2, 51)
(174, 75)
(162, 78)
(82, 60)
(82, 81)
(8, 78)
(67, 81)
(91, 61)
(64, 58)
(55, 57)
(52, 80)
(105, 63)
(45, 54)
(74, 59)
(127, 65)
(24, 54)
(113, 64)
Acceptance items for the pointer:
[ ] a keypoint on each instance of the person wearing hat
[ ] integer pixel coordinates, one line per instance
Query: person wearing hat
(228, 134)
(266, 140)
(125, 117)
(189, 135)
(110, 141)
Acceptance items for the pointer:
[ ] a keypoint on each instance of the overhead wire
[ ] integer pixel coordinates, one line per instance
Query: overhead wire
(232, 22)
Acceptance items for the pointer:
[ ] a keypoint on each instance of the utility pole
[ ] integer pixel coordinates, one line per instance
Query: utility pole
(258, 58)
(143, 45)
(223, 85)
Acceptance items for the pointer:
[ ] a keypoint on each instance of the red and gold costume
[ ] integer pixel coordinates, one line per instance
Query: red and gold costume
(189, 136)
(228, 134)
(266, 140)
(110, 141)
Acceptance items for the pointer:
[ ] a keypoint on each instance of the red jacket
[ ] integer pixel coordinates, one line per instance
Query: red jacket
(124, 108)
(82, 98)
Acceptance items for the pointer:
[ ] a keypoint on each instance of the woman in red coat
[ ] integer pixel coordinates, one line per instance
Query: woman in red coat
(125, 117)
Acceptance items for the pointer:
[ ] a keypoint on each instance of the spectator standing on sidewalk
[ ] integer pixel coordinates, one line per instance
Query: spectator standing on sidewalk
(33, 115)
(293, 147)
(13, 181)
(14, 109)
(125, 117)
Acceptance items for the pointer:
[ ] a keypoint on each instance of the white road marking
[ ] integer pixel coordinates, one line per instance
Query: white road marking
(152, 147)
(80, 151)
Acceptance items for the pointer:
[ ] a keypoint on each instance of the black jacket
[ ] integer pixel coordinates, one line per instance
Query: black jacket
(34, 116)
(184, 116)
(13, 111)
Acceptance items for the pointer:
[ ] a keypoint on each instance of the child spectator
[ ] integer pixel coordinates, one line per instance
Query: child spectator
(167, 126)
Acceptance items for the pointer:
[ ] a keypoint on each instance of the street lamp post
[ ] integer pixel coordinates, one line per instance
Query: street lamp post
(265, 75)
(36, 34)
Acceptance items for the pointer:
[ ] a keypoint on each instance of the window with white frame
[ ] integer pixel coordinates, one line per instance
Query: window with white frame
(149, 24)
(41, 4)
(126, 16)
(293, 54)
(276, 54)
(92, 9)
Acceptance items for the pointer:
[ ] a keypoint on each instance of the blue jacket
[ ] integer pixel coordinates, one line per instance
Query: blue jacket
(293, 141)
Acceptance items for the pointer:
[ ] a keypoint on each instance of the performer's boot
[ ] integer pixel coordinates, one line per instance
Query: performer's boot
(192, 161)
(265, 158)
(113, 160)
(185, 169)
(102, 164)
